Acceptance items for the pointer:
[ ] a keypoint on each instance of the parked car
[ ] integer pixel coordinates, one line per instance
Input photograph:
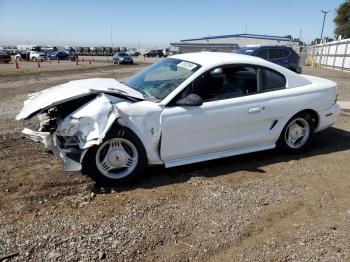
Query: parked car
(37, 56)
(185, 109)
(61, 55)
(166, 52)
(154, 53)
(132, 53)
(4, 57)
(31, 55)
(22, 55)
(281, 55)
(122, 58)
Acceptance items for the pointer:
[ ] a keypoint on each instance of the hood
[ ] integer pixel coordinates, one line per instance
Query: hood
(72, 90)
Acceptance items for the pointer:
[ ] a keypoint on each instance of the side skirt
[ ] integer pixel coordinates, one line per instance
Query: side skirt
(210, 156)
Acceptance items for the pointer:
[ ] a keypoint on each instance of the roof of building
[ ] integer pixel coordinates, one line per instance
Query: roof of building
(268, 37)
(204, 44)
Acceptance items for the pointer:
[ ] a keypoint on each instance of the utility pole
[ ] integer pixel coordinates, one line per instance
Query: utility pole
(112, 35)
(324, 18)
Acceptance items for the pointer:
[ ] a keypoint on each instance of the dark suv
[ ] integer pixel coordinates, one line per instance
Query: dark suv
(154, 53)
(281, 55)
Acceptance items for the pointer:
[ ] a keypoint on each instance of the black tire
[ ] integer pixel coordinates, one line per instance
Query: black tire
(282, 143)
(89, 166)
(34, 59)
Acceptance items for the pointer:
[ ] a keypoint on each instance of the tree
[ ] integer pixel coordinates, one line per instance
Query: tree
(301, 42)
(317, 40)
(342, 20)
(87, 50)
(81, 50)
(109, 50)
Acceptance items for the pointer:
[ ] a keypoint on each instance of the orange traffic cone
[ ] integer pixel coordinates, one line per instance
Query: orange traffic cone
(39, 66)
(107, 60)
(76, 61)
(90, 62)
(16, 63)
(58, 60)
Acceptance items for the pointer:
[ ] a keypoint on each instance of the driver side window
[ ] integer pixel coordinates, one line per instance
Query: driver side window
(224, 83)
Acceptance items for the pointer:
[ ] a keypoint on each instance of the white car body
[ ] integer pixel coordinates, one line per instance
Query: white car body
(179, 135)
(33, 55)
(39, 56)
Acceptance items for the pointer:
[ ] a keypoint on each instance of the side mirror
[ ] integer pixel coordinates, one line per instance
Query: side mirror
(190, 100)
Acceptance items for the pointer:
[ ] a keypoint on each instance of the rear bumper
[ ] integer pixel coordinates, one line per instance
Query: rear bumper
(328, 117)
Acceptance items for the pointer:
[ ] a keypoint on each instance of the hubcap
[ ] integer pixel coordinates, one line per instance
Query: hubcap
(297, 133)
(116, 158)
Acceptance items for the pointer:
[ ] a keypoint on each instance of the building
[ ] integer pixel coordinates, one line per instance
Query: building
(228, 43)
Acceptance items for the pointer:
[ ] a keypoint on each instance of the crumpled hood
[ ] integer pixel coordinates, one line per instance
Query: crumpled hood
(69, 91)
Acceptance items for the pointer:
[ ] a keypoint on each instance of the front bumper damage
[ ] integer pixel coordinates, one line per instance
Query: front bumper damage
(72, 157)
(79, 131)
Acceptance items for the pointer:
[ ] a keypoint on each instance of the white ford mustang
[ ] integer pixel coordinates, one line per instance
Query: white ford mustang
(183, 109)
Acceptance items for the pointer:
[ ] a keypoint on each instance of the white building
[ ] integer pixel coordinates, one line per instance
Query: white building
(228, 43)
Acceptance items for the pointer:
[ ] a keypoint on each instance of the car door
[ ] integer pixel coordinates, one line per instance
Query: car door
(223, 122)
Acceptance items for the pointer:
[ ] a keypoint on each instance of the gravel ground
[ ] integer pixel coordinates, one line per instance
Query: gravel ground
(256, 207)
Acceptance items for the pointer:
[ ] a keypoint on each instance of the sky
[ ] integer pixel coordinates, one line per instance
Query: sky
(156, 23)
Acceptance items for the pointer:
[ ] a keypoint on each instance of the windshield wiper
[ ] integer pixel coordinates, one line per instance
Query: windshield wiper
(125, 94)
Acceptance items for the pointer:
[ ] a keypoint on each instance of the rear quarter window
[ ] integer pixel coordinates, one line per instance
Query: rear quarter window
(272, 80)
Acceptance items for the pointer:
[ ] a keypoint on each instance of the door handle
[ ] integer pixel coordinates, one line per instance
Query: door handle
(255, 109)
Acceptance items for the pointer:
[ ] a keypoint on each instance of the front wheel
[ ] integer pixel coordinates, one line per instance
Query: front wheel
(121, 158)
(297, 134)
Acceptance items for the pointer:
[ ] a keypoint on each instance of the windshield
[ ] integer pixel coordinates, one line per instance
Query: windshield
(245, 51)
(122, 54)
(157, 81)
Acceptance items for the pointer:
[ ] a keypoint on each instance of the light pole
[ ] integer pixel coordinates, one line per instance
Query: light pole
(324, 18)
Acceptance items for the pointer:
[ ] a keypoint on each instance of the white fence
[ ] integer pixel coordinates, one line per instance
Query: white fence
(334, 54)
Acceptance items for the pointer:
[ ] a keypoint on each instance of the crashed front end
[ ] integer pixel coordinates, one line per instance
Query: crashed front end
(75, 116)
(69, 136)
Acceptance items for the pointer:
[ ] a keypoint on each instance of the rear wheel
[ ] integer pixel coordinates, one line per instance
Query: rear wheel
(121, 158)
(297, 134)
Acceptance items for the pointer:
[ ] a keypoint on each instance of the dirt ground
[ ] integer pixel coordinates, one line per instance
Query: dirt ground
(256, 207)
